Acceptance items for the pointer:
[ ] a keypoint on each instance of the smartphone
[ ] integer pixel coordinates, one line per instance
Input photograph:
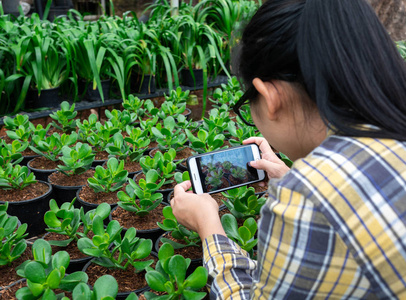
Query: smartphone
(225, 169)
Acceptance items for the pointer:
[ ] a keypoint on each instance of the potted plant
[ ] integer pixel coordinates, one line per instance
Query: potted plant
(122, 257)
(12, 245)
(66, 224)
(27, 197)
(11, 153)
(205, 141)
(140, 206)
(73, 173)
(64, 118)
(170, 277)
(49, 151)
(102, 187)
(216, 180)
(46, 275)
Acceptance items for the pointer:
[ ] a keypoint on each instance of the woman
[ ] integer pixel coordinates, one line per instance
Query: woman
(327, 88)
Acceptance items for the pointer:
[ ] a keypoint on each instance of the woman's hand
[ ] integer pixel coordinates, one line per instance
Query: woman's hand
(197, 212)
(270, 163)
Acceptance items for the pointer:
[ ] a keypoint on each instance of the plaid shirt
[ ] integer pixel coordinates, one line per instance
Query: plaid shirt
(333, 227)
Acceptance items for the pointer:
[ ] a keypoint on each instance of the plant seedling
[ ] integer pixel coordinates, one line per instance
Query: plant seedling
(121, 119)
(86, 127)
(51, 147)
(46, 273)
(244, 235)
(134, 104)
(11, 153)
(105, 287)
(178, 231)
(162, 163)
(168, 135)
(169, 108)
(15, 177)
(66, 220)
(13, 123)
(178, 96)
(205, 141)
(137, 138)
(169, 276)
(126, 251)
(64, 118)
(111, 179)
(77, 160)
(243, 202)
(144, 192)
(12, 242)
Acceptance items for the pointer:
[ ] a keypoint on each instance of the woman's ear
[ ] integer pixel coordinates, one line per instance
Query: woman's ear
(270, 95)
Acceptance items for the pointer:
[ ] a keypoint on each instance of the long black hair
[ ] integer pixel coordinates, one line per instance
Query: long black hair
(341, 54)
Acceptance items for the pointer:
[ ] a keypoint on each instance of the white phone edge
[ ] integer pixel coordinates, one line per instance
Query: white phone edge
(195, 176)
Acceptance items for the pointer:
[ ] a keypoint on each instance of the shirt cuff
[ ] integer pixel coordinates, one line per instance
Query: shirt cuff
(219, 244)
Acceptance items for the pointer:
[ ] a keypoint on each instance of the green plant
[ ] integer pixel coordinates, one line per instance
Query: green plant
(51, 147)
(12, 242)
(138, 140)
(15, 177)
(214, 179)
(66, 220)
(178, 96)
(169, 276)
(205, 141)
(401, 45)
(133, 104)
(13, 123)
(169, 108)
(238, 172)
(162, 163)
(240, 133)
(77, 159)
(168, 135)
(102, 135)
(121, 119)
(217, 122)
(243, 202)
(25, 134)
(286, 159)
(141, 198)
(11, 153)
(86, 127)
(126, 251)
(64, 118)
(178, 231)
(244, 235)
(46, 273)
(111, 179)
(105, 287)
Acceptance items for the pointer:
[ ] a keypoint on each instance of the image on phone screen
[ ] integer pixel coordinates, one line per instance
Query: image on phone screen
(222, 170)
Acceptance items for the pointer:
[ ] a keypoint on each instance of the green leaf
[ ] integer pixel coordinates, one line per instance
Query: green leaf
(244, 233)
(54, 278)
(42, 251)
(70, 281)
(177, 268)
(105, 286)
(165, 251)
(35, 272)
(60, 259)
(156, 281)
(251, 224)
(230, 225)
(197, 279)
(192, 295)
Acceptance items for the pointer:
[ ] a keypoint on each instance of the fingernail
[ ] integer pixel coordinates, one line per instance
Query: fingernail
(251, 163)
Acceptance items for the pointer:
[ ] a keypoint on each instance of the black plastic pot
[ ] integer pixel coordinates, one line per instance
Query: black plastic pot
(40, 174)
(122, 295)
(26, 159)
(146, 85)
(47, 98)
(194, 263)
(64, 194)
(32, 211)
(94, 95)
(86, 205)
(187, 78)
(152, 234)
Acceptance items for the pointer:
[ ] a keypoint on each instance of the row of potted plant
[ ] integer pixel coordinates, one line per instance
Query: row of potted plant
(38, 56)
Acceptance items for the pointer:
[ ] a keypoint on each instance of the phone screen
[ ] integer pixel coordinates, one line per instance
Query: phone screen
(224, 169)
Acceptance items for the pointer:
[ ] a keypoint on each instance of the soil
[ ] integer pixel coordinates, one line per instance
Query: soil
(8, 274)
(128, 280)
(87, 194)
(101, 155)
(129, 219)
(43, 163)
(132, 166)
(61, 179)
(29, 192)
(192, 252)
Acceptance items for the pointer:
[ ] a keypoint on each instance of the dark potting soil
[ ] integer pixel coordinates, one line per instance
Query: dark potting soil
(164, 187)
(8, 274)
(72, 248)
(101, 155)
(127, 280)
(132, 166)
(192, 252)
(61, 179)
(88, 195)
(258, 188)
(129, 219)
(32, 191)
(43, 163)
(9, 293)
